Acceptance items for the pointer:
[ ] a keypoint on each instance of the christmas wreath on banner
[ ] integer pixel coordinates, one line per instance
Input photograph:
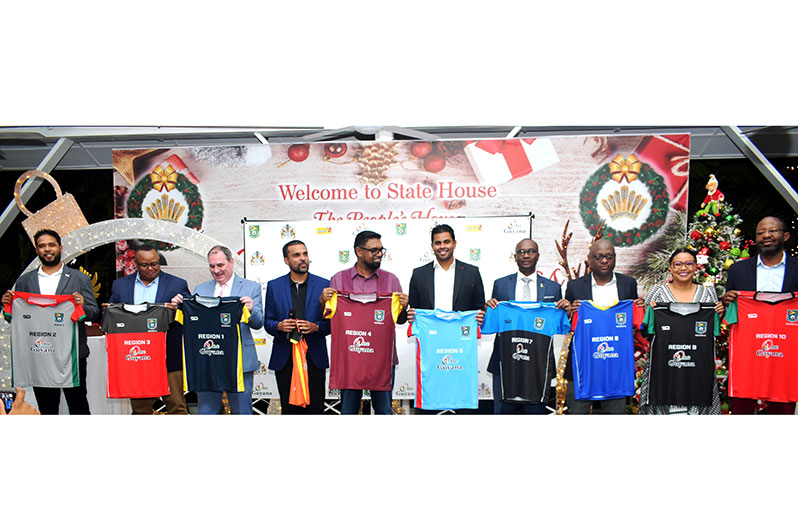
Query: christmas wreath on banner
(166, 194)
(629, 197)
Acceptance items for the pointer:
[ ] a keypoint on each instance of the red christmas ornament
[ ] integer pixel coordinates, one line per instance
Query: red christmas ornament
(724, 246)
(421, 149)
(335, 150)
(434, 163)
(696, 235)
(299, 152)
(704, 250)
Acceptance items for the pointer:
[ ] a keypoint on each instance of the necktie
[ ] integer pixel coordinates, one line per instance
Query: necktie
(527, 290)
(221, 290)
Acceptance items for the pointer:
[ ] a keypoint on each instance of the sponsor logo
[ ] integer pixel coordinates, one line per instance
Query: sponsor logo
(666, 327)
(588, 320)
(769, 350)
(347, 313)
(792, 315)
(343, 256)
(26, 316)
(680, 359)
(257, 259)
(59, 317)
(379, 315)
(120, 324)
(539, 323)
(474, 228)
(449, 363)
(515, 228)
(752, 315)
(360, 345)
(401, 229)
(42, 345)
(620, 318)
(426, 257)
(700, 327)
(433, 332)
(605, 351)
(287, 232)
(404, 390)
(521, 353)
(323, 230)
(209, 348)
(225, 318)
(137, 354)
(152, 323)
(476, 254)
(508, 321)
(254, 231)
(194, 318)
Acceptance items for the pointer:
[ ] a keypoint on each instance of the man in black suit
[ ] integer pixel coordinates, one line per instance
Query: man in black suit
(524, 285)
(446, 283)
(604, 287)
(773, 270)
(150, 284)
(55, 278)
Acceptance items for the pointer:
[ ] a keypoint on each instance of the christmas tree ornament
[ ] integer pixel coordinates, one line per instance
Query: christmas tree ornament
(745, 254)
(434, 163)
(374, 159)
(696, 235)
(729, 218)
(335, 150)
(714, 199)
(712, 270)
(709, 231)
(421, 149)
(735, 252)
(737, 232)
(728, 263)
(724, 245)
(299, 152)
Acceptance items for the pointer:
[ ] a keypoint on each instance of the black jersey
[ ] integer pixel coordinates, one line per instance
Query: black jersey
(682, 358)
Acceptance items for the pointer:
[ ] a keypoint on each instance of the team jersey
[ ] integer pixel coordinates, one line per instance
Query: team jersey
(603, 351)
(763, 346)
(212, 351)
(135, 341)
(362, 336)
(447, 364)
(682, 357)
(526, 353)
(44, 339)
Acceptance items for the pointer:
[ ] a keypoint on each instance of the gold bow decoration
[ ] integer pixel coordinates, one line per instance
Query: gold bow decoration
(163, 179)
(628, 168)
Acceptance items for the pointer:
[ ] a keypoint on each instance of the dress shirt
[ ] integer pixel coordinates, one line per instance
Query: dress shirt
(143, 292)
(444, 285)
(605, 295)
(223, 290)
(48, 283)
(770, 279)
(533, 286)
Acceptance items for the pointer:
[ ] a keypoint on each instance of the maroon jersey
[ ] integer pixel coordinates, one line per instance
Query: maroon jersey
(363, 330)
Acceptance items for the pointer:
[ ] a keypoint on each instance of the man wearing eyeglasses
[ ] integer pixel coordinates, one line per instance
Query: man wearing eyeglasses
(524, 285)
(149, 284)
(605, 287)
(366, 277)
(772, 270)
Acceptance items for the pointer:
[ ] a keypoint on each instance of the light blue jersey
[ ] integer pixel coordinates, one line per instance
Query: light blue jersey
(446, 359)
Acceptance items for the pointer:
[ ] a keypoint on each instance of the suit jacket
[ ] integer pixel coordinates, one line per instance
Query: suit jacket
(469, 294)
(242, 287)
(122, 291)
(742, 275)
(504, 290)
(278, 303)
(582, 289)
(71, 280)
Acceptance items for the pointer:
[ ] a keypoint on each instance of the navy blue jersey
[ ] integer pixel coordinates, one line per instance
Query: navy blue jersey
(524, 332)
(212, 350)
(603, 351)
(446, 359)
(682, 358)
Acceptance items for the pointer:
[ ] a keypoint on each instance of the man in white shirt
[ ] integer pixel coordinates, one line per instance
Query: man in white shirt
(53, 277)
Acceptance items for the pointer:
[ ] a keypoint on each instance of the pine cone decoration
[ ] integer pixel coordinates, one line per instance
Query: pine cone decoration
(374, 160)
(449, 149)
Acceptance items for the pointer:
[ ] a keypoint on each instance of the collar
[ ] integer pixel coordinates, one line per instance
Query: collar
(353, 273)
(760, 263)
(611, 282)
(56, 273)
(138, 280)
(519, 275)
(438, 267)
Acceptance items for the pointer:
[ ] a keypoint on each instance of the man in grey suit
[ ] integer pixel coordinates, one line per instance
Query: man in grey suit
(53, 277)
(524, 285)
(224, 284)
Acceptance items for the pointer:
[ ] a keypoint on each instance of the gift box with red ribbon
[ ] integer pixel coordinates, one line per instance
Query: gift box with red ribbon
(669, 155)
(498, 161)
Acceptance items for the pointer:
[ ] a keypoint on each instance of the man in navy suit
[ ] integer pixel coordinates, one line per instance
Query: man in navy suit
(224, 284)
(54, 277)
(151, 285)
(524, 285)
(773, 270)
(292, 302)
(604, 286)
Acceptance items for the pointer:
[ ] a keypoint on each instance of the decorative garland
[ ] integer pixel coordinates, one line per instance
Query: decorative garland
(659, 207)
(189, 191)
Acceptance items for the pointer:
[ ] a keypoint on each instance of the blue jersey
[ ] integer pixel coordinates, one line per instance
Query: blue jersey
(446, 359)
(603, 351)
(526, 356)
(212, 349)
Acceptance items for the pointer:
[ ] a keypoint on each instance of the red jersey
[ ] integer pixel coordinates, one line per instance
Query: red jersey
(763, 346)
(363, 331)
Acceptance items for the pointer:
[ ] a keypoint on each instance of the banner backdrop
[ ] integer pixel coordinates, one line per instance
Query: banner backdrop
(635, 184)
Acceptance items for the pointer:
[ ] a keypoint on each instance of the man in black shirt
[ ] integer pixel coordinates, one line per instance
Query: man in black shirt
(293, 308)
